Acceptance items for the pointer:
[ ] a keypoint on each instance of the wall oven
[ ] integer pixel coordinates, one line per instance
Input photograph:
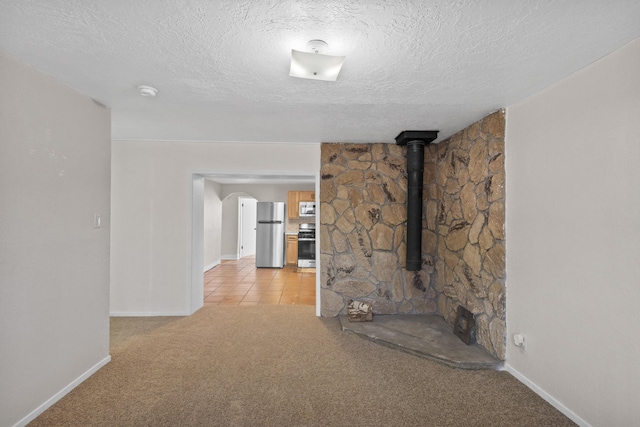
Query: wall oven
(307, 246)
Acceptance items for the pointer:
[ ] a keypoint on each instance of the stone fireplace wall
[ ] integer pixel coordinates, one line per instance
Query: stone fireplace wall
(469, 220)
(363, 192)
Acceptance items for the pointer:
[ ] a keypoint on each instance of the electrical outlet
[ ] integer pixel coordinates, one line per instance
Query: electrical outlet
(518, 340)
(97, 221)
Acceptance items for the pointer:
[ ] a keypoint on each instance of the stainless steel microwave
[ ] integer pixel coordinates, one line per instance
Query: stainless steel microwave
(307, 209)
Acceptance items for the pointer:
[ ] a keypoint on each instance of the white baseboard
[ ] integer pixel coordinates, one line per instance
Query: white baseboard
(546, 396)
(59, 395)
(146, 314)
(233, 257)
(210, 266)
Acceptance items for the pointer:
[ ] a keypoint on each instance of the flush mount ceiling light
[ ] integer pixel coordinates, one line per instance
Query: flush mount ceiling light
(315, 65)
(147, 90)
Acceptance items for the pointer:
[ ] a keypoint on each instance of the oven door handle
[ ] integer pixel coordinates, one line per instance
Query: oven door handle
(306, 240)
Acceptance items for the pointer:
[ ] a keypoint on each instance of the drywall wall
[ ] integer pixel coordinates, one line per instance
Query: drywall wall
(196, 247)
(267, 192)
(212, 224)
(573, 240)
(54, 265)
(151, 220)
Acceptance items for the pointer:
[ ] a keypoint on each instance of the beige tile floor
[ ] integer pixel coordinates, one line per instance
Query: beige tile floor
(241, 283)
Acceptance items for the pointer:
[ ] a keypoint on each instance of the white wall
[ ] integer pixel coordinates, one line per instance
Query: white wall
(151, 203)
(196, 247)
(266, 192)
(212, 224)
(54, 266)
(573, 240)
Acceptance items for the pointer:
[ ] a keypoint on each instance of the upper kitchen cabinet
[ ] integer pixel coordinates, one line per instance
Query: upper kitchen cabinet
(295, 197)
(293, 206)
(307, 196)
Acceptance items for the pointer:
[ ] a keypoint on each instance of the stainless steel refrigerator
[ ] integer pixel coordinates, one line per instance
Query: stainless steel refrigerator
(270, 234)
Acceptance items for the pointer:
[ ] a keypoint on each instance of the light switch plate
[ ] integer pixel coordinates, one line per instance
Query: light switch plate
(97, 221)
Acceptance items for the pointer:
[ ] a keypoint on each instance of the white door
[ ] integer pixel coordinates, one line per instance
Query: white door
(247, 220)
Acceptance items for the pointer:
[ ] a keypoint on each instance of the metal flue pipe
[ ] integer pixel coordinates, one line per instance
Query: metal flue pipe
(415, 142)
(415, 173)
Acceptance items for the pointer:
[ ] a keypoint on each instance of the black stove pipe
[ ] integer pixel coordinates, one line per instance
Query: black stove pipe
(415, 142)
(415, 172)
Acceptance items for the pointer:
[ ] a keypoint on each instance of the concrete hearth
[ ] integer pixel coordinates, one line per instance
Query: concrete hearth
(424, 336)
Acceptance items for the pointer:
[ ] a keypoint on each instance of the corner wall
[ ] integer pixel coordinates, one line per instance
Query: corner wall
(363, 213)
(54, 265)
(573, 221)
(212, 224)
(467, 213)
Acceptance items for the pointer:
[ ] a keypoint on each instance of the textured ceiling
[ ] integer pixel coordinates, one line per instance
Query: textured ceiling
(221, 67)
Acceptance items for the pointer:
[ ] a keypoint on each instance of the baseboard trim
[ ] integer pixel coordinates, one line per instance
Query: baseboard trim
(232, 257)
(59, 395)
(210, 266)
(147, 314)
(546, 396)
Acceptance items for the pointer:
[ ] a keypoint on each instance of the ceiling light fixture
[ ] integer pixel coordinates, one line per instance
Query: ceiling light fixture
(315, 65)
(147, 90)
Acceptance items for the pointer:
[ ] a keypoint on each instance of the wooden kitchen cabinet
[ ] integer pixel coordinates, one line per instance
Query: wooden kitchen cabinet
(292, 249)
(295, 197)
(307, 196)
(293, 205)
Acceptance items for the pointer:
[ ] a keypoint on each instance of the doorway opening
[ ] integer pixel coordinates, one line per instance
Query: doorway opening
(291, 285)
(230, 231)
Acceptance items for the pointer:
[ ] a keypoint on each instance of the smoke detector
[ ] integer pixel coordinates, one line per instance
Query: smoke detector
(147, 90)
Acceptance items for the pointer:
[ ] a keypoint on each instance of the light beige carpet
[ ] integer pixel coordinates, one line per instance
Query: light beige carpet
(282, 366)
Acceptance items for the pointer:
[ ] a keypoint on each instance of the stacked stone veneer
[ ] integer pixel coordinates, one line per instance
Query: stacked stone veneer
(466, 210)
(363, 193)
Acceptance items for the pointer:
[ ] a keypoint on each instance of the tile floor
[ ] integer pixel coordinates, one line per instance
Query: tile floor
(241, 283)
